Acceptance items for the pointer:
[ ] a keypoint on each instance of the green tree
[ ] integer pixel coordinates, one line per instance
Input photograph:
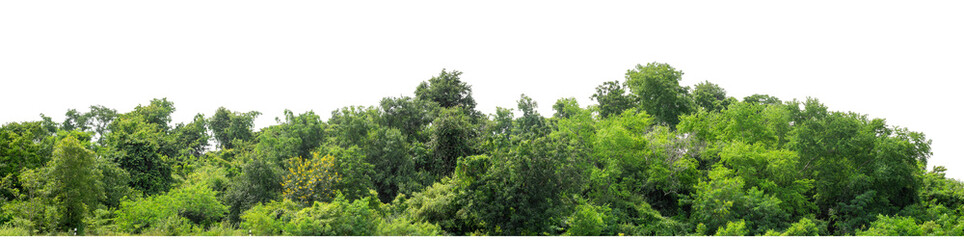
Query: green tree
(138, 147)
(157, 113)
(531, 123)
(229, 126)
(26, 145)
(192, 138)
(296, 136)
(761, 99)
(710, 96)
(447, 90)
(657, 85)
(614, 98)
(411, 116)
(259, 182)
(75, 180)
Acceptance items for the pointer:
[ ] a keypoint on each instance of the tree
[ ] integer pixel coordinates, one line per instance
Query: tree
(453, 135)
(158, 113)
(387, 151)
(657, 85)
(531, 123)
(75, 121)
(192, 138)
(229, 126)
(724, 199)
(75, 180)
(447, 90)
(26, 145)
(259, 182)
(100, 117)
(138, 147)
(613, 98)
(710, 96)
(310, 180)
(761, 99)
(296, 136)
(411, 116)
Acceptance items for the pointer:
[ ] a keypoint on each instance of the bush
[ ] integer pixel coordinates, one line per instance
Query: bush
(338, 218)
(172, 226)
(587, 220)
(733, 229)
(404, 226)
(268, 219)
(195, 203)
(14, 231)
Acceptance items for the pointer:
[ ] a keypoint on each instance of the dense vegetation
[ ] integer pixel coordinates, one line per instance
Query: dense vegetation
(649, 157)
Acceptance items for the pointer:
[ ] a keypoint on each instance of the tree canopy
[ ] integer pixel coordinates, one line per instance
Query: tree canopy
(649, 157)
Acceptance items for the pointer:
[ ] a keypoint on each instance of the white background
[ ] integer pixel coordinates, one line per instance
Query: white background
(896, 60)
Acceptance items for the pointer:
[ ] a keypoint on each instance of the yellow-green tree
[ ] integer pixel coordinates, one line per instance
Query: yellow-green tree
(309, 180)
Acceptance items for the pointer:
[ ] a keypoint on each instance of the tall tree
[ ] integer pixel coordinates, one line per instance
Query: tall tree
(75, 180)
(657, 85)
(453, 136)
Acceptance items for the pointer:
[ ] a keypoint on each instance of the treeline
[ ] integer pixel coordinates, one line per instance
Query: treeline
(649, 157)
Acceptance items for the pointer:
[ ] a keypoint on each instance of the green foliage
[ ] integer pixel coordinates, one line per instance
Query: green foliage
(725, 198)
(518, 195)
(711, 97)
(388, 153)
(196, 203)
(75, 180)
(650, 158)
(192, 138)
(229, 126)
(804, 227)
(410, 116)
(403, 226)
(442, 204)
(259, 182)
(900, 226)
(761, 99)
(137, 146)
(614, 98)
(452, 136)
(733, 229)
(337, 218)
(659, 92)
(447, 90)
(296, 136)
(588, 220)
(26, 145)
(269, 219)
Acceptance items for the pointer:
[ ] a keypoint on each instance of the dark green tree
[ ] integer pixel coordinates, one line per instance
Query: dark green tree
(614, 98)
(447, 90)
(229, 126)
(192, 139)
